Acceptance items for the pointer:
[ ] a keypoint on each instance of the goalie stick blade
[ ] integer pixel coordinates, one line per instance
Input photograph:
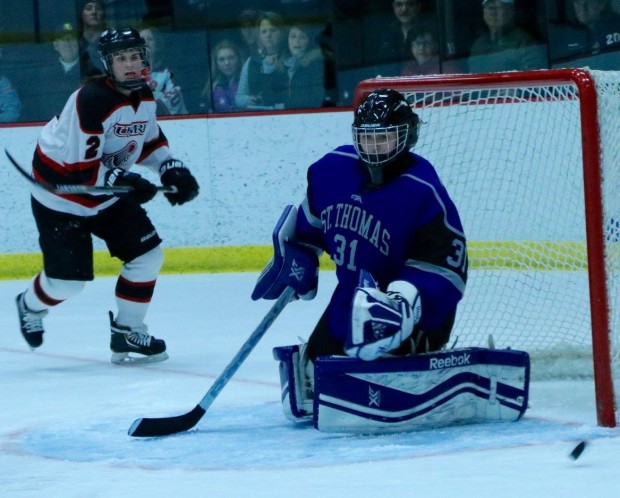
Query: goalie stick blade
(166, 426)
(152, 427)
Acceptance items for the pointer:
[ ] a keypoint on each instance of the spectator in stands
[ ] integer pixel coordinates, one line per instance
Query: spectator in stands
(597, 30)
(425, 56)
(74, 66)
(65, 73)
(504, 46)
(395, 41)
(306, 68)
(168, 95)
(248, 33)
(10, 104)
(264, 80)
(221, 89)
(602, 23)
(91, 22)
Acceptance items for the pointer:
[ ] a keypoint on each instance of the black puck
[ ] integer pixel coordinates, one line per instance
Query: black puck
(578, 450)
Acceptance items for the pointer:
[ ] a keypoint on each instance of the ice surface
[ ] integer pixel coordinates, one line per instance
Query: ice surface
(66, 411)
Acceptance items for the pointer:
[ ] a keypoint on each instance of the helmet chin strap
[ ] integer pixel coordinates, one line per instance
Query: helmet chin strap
(385, 172)
(130, 84)
(376, 174)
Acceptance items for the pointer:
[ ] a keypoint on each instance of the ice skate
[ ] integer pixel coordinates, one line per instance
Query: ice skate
(30, 322)
(126, 340)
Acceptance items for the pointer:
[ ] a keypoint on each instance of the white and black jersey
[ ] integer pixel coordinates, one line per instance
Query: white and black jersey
(98, 129)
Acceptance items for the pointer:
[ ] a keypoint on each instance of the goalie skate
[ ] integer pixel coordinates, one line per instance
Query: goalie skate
(296, 382)
(135, 345)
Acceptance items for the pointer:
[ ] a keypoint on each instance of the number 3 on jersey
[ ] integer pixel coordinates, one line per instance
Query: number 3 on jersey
(345, 252)
(459, 258)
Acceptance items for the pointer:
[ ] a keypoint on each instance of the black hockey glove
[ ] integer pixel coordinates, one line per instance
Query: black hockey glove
(143, 190)
(173, 173)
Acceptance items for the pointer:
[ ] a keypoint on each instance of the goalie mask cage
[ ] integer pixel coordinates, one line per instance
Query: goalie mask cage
(532, 161)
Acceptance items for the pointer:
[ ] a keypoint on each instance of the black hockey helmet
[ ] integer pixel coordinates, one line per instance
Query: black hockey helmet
(384, 128)
(113, 41)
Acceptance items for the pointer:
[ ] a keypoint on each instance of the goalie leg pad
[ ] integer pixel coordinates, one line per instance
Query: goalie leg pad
(296, 382)
(420, 392)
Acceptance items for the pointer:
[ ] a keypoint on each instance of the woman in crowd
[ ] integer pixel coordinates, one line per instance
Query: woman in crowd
(91, 22)
(264, 79)
(225, 71)
(306, 69)
(425, 56)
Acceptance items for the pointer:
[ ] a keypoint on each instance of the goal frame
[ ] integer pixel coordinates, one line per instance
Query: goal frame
(592, 179)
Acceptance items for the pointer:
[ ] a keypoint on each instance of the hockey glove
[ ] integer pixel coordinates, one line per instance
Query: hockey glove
(173, 173)
(293, 264)
(143, 190)
(380, 321)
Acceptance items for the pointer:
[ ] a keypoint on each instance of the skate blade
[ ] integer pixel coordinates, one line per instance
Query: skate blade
(33, 346)
(125, 359)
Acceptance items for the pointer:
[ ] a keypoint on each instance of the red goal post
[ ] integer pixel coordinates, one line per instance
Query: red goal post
(532, 160)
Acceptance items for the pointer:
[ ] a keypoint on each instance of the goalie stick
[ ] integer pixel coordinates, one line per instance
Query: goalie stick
(68, 188)
(165, 426)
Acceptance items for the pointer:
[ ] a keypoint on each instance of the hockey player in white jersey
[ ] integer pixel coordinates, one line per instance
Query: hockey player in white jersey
(106, 127)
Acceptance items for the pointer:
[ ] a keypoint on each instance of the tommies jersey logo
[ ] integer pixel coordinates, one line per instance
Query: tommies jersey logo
(130, 130)
(454, 360)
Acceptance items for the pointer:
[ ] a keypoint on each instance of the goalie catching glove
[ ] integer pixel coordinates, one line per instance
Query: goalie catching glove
(293, 264)
(173, 173)
(380, 322)
(143, 190)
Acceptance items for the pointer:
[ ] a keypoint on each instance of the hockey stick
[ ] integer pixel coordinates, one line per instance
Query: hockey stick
(165, 426)
(68, 188)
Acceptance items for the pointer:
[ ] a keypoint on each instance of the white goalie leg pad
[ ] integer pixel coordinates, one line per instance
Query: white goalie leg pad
(423, 391)
(296, 382)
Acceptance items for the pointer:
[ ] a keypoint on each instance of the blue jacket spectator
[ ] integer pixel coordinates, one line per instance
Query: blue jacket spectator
(10, 105)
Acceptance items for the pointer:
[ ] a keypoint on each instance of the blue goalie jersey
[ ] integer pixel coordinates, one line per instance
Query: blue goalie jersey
(408, 229)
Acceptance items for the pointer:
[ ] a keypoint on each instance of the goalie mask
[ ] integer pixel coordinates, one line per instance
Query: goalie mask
(115, 41)
(384, 129)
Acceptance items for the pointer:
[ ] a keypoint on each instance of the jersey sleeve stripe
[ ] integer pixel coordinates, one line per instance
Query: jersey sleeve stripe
(152, 146)
(440, 202)
(312, 220)
(49, 171)
(440, 271)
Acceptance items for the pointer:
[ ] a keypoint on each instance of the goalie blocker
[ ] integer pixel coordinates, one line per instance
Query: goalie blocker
(424, 391)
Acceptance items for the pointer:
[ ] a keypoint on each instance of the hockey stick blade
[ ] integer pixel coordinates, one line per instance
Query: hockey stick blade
(152, 427)
(166, 426)
(68, 188)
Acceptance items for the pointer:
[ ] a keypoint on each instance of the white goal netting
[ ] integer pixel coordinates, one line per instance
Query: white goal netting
(510, 153)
